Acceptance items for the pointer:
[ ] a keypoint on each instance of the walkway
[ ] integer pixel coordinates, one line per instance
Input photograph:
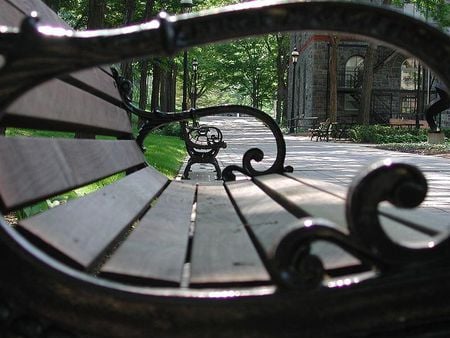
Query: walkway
(333, 162)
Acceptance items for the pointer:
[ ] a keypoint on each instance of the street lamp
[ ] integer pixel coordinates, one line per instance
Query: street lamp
(258, 80)
(294, 55)
(194, 95)
(186, 5)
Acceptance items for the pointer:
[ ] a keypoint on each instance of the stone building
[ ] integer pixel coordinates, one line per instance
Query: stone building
(402, 87)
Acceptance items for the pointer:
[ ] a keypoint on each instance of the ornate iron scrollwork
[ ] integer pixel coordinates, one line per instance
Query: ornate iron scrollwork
(404, 186)
(295, 265)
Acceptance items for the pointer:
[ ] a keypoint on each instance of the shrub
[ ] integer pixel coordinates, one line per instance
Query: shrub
(386, 134)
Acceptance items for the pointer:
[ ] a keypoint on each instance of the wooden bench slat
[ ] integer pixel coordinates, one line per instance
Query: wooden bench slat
(9, 15)
(83, 229)
(36, 168)
(57, 105)
(46, 15)
(222, 252)
(301, 198)
(156, 249)
(95, 79)
(269, 222)
(431, 222)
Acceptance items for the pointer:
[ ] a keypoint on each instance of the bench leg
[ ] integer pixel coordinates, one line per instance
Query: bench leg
(187, 170)
(218, 171)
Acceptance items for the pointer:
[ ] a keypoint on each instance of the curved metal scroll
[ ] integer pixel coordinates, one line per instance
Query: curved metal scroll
(404, 186)
(297, 268)
(437, 106)
(57, 51)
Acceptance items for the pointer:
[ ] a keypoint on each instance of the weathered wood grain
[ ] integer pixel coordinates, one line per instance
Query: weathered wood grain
(302, 199)
(270, 222)
(9, 15)
(222, 251)
(84, 228)
(58, 103)
(421, 219)
(156, 249)
(36, 168)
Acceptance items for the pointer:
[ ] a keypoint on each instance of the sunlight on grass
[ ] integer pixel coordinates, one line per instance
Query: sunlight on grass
(165, 153)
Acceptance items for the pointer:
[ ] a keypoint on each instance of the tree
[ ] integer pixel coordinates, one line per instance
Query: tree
(96, 14)
(334, 44)
(438, 10)
(367, 84)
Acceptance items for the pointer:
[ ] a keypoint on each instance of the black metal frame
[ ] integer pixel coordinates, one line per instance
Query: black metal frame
(400, 300)
(203, 143)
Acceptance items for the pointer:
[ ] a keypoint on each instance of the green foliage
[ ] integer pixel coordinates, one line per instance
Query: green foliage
(171, 129)
(386, 134)
(438, 10)
(446, 132)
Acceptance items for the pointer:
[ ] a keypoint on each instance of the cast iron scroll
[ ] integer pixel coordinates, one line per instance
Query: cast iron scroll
(404, 186)
(56, 51)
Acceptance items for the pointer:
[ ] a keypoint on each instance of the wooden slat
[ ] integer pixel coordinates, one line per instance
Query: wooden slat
(222, 251)
(270, 222)
(303, 199)
(427, 220)
(35, 168)
(58, 103)
(94, 79)
(46, 15)
(156, 250)
(9, 15)
(84, 228)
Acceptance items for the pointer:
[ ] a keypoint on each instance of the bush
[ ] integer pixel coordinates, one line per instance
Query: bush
(385, 134)
(171, 129)
(446, 132)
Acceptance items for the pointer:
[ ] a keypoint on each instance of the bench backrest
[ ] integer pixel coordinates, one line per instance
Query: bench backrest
(86, 102)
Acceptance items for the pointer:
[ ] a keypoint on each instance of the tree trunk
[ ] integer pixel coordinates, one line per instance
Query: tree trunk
(96, 14)
(143, 88)
(332, 112)
(367, 84)
(144, 65)
(281, 70)
(130, 9)
(156, 84)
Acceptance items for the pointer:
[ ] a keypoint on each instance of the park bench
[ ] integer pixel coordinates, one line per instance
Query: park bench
(203, 143)
(322, 132)
(277, 254)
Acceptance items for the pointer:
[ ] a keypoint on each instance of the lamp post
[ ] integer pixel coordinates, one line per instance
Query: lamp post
(294, 55)
(186, 5)
(194, 94)
(258, 80)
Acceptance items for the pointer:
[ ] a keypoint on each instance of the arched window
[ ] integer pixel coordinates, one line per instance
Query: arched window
(353, 71)
(409, 74)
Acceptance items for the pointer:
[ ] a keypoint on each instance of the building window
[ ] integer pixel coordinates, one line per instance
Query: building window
(353, 71)
(409, 104)
(409, 74)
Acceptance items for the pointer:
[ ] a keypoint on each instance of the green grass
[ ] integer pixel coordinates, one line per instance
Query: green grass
(165, 153)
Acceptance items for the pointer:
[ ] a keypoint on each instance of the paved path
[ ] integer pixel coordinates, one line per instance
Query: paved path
(330, 161)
